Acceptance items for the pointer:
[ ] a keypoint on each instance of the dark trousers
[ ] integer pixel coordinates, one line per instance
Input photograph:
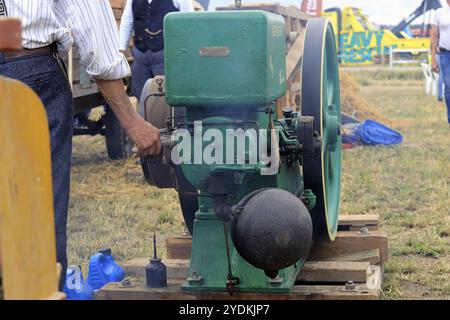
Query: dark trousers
(146, 65)
(444, 59)
(44, 75)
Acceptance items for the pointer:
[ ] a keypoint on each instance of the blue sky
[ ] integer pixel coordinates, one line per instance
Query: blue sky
(379, 11)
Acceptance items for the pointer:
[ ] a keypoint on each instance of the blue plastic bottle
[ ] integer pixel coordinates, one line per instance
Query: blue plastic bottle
(103, 270)
(74, 287)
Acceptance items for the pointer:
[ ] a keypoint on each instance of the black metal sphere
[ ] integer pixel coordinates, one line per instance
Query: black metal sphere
(273, 230)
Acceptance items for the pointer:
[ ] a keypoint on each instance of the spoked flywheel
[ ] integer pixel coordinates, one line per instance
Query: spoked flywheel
(321, 100)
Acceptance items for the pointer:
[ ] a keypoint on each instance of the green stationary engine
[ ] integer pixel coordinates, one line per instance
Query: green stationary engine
(255, 188)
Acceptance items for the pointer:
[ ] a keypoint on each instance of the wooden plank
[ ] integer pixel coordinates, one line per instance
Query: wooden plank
(351, 228)
(174, 292)
(348, 242)
(27, 229)
(335, 271)
(179, 247)
(360, 251)
(318, 271)
(10, 37)
(371, 256)
(117, 4)
(176, 268)
(135, 268)
(294, 56)
(361, 220)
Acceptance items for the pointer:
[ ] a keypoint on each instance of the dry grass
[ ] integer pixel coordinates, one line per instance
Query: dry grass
(409, 186)
(354, 104)
(111, 206)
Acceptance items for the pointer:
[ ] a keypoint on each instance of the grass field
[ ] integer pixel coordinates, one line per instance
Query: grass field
(409, 186)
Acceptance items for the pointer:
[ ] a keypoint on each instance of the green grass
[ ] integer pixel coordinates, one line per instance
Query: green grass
(409, 186)
(383, 76)
(381, 73)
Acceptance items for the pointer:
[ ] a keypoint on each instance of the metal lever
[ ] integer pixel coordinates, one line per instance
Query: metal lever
(232, 281)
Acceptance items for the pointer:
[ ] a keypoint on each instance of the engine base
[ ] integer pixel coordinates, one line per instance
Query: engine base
(208, 272)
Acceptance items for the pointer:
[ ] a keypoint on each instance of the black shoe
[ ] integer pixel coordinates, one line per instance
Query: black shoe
(440, 99)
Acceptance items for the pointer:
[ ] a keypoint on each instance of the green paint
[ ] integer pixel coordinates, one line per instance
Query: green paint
(310, 199)
(227, 69)
(207, 58)
(209, 258)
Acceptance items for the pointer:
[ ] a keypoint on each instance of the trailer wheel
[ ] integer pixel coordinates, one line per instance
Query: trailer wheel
(118, 144)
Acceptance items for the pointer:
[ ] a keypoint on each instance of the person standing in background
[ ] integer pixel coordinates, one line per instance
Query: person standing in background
(146, 19)
(440, 43)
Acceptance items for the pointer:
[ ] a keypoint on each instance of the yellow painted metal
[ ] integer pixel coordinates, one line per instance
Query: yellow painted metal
(27, 231)
(360, 41)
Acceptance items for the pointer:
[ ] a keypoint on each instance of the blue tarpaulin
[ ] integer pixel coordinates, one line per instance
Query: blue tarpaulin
(370, 133)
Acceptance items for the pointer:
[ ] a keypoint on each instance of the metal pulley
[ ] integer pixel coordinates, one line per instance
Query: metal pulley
(156, 111)
(321, 101)
(158, 170)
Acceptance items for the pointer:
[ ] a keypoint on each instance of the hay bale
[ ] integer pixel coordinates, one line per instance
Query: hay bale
(352, 103)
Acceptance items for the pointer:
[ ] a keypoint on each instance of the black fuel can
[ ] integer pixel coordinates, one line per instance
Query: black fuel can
(156, 274)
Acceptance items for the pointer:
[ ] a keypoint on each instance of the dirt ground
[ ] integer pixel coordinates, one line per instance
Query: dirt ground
(409, 186)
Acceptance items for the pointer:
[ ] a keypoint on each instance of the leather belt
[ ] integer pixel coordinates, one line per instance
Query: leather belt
(443, 50)
(11, 55)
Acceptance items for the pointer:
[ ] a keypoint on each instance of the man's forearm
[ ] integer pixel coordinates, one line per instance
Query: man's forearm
(434, 46)
(433, 53)
(114, 93)
(434, 43)
(143, 134)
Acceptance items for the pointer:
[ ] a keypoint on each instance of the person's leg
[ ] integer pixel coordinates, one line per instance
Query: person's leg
(157, 60)
(440, 95)
(141, 71)
(45, 77)
(445, 70)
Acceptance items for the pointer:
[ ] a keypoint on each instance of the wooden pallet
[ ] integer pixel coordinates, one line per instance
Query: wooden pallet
(356, 257)
(118, 6)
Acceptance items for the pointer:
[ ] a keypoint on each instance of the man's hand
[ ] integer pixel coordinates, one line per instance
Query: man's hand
(143, 134)
(435, 67)
(146, 137)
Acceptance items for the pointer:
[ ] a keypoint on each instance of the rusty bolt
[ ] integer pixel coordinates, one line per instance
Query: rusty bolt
(364, 231)
(350, 286)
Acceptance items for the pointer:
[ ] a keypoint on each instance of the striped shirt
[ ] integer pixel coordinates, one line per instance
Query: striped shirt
(88, 24)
